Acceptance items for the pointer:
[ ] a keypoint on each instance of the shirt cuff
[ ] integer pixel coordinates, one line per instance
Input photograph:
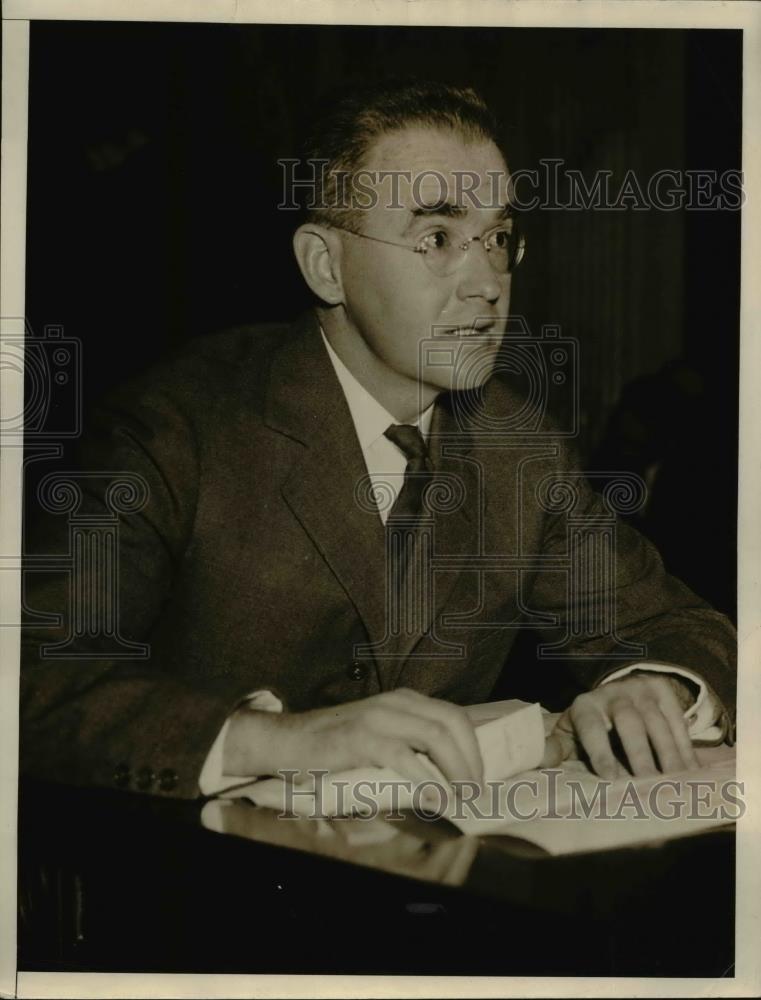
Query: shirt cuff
(704, 717)
(213, 781)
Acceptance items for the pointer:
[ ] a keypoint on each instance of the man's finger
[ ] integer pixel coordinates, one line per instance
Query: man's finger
(558, 746)
(672, 710)
(435, 739)
(592, 733)
(659, 732)
(456, 722)
(429, 735)
(632, 732)
(407, 763)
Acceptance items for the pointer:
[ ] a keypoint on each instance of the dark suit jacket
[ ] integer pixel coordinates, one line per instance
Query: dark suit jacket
(252, 565)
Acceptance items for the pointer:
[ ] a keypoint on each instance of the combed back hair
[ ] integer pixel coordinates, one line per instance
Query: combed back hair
(343, 133)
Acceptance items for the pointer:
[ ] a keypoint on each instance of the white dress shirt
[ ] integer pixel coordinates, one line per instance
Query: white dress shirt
(386, 464)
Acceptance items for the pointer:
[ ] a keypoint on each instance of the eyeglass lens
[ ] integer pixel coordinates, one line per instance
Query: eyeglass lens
(504, 251)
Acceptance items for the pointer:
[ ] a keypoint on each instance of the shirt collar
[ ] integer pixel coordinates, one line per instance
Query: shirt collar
(371, 420)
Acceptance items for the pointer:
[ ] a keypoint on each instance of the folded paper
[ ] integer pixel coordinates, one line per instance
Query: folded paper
(511, 742)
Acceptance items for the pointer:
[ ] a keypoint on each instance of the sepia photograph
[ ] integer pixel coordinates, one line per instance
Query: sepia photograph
(372, 390)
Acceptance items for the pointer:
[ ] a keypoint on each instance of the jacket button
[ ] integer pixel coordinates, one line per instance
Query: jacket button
(168, 780)
(121, 775)
(357, 671)
(145, 778)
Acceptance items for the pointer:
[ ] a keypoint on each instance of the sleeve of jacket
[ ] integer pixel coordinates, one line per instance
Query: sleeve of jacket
(97, 711)
(611, 602)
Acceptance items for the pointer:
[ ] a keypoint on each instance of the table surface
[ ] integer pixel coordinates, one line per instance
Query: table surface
(118, 881)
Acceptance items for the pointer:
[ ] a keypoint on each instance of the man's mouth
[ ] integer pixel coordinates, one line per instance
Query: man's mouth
(473, 329)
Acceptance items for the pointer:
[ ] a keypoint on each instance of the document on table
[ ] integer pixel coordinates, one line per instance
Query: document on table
(564, 810)
(569, 810)
(510, 736)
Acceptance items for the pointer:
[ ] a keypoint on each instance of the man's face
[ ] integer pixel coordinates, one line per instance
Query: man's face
(417, 327)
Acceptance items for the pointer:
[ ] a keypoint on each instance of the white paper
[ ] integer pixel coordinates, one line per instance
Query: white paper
(511, 741)
(635, 810)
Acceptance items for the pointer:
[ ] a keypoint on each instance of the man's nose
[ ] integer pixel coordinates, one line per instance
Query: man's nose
(477, 278)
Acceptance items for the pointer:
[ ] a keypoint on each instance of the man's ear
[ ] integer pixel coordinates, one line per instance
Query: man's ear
(318, 252)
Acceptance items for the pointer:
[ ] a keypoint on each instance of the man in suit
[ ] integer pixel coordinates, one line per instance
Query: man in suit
(305, 599)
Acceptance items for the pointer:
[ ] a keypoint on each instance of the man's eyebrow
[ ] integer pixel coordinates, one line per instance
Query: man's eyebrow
(449, 210)
(446, 208)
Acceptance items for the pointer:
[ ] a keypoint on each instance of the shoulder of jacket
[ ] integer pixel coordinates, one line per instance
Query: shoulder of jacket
(206, 374)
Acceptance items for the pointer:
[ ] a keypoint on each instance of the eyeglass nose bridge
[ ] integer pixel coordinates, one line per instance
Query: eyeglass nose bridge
(467, 244)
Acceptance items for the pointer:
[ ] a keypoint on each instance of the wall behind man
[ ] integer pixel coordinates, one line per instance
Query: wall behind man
(153, 188)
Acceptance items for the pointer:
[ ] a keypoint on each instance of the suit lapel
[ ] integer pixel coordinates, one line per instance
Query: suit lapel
(456, 522)
(323, 490)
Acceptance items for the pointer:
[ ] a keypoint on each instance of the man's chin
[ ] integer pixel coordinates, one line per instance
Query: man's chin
(471, 365)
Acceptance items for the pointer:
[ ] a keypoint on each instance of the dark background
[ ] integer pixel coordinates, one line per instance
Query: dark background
(152, 217)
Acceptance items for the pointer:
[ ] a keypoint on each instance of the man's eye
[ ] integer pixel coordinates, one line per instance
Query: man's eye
(499, 239)
(439, 240)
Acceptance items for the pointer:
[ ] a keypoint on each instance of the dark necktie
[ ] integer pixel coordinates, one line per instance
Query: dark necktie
(408, 595)
(409, 503)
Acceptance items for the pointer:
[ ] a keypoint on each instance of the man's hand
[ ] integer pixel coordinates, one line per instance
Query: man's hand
(384, 730)
(645, 711)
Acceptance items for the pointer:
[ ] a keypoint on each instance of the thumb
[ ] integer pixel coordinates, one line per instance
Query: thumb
(559, 746)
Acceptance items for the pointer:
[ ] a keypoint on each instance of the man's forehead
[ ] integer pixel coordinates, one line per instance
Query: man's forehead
(416, 146)
(425, 167)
